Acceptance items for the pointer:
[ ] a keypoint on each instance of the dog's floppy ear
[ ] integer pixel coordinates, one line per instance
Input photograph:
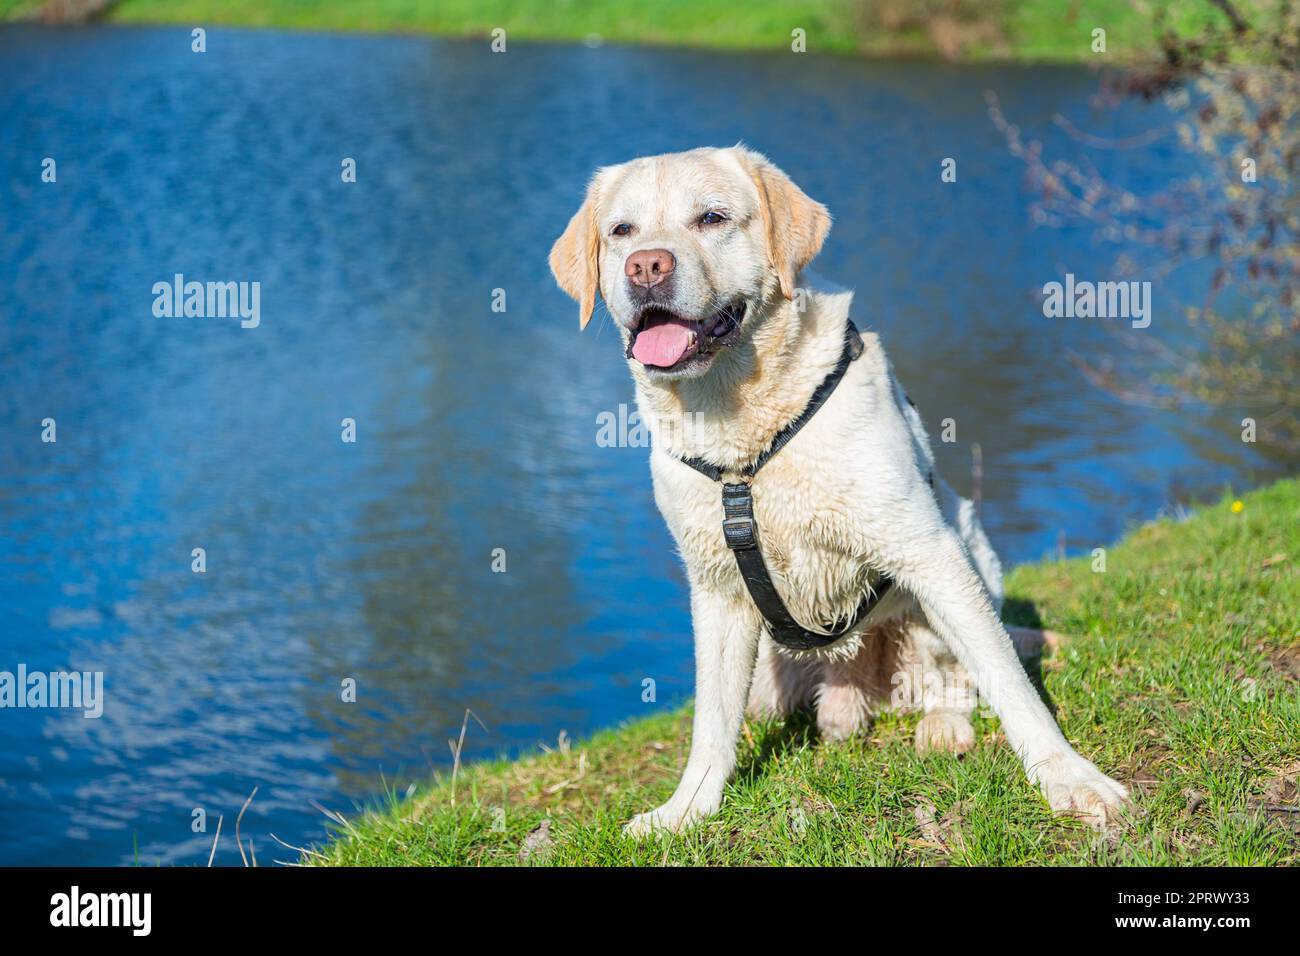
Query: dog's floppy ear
(796, 225)
(575, 257)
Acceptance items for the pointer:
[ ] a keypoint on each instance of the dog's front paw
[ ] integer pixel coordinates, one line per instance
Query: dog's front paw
(665, 819)
(1073, 785)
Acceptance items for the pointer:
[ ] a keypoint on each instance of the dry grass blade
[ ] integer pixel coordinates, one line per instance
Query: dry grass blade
(214, 841)
(239, 840)
(335, 817)
(565, 784)
(297, 849)
(457, 746)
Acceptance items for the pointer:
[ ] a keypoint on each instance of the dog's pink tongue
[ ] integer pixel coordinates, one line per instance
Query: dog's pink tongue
(662, 343)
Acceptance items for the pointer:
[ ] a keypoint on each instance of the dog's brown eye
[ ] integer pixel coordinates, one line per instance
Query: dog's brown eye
(622, 229)
(712, 218)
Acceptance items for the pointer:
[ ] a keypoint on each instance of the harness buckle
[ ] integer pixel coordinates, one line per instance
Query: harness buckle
(738, 525)
(739, 533)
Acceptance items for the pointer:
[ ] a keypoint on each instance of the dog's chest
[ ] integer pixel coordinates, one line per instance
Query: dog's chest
(811, 534)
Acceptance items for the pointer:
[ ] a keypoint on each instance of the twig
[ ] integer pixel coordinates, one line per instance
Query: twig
(1238, 24)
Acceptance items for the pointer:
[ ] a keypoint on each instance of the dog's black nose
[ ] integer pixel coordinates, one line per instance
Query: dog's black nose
(649, 267)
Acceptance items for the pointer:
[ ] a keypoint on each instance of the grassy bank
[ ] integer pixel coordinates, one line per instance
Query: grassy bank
(1180, 676)
(1025, 30)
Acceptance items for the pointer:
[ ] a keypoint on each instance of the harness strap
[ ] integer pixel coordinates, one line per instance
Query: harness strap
(852, 349)
(740, 530)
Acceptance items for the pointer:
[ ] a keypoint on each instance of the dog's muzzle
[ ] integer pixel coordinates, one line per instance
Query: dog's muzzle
(664, 339)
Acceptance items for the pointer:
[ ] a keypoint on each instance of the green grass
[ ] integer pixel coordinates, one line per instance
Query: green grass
(1180, 676)
(1025, 30)
(17, 9)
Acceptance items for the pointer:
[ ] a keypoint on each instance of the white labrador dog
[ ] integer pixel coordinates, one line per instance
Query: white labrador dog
(699, 257)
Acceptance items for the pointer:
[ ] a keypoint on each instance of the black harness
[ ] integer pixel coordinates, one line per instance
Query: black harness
(741, 530)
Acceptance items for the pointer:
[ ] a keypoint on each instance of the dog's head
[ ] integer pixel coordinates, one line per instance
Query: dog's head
(687, 249)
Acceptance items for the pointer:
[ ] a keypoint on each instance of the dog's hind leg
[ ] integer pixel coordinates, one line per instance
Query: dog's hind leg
(853, 689)
(782, 683)
(943, 690)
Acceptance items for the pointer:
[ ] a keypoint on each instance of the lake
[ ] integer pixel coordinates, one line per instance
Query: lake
(379, 562)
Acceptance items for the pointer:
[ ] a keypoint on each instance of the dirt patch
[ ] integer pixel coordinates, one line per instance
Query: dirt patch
(953, 37)
(537, 845)
(953, 26)
(940, 833)
(1286, 661)
(1280, 800)
(72, 11)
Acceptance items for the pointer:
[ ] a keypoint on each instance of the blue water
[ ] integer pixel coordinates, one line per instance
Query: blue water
(476, 429)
